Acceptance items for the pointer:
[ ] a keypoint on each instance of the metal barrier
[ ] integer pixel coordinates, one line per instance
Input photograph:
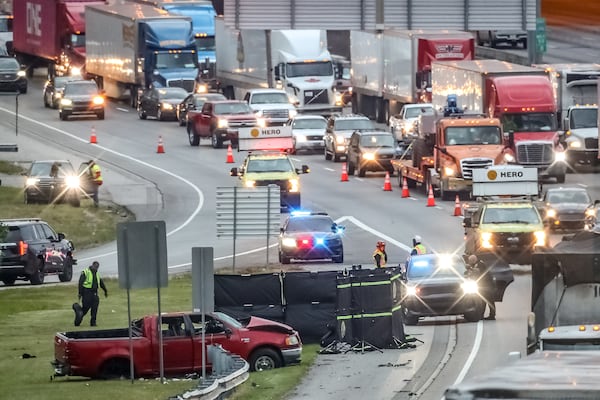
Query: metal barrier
(9, 148)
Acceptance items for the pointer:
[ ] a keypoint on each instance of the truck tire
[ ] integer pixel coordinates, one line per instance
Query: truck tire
(283, 259)
(192, 137)
(338, 259)
(115, 368)
(350, 168)
(38, 275)
(141, 113)
(264, 359)
(216, 142)
(408, 318)
(67, 273)
(9, 280)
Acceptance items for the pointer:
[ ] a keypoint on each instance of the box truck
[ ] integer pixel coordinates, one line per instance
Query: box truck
(393, 67)
(294, 60)
(521, 97)
(131, 47)
(50, 34)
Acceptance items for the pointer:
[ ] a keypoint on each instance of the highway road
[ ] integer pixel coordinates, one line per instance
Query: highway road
(179, 187)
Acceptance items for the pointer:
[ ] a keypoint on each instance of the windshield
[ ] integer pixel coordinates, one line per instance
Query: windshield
(81, 89)
(232, 108)
(516, 215)
(584, 118)
(435, 266)
(378, 141)
(312, 123)
(293, 70)
(414, 112)
(61, 81)
(78, 40)
(9, 63)
(532, 122)
(228, 320)
(269, 165)
(200, 100)
(45, 168)
(205, 44)
(176, 60)
(172, 93)
(571, 344)
(354, 125)
(6, 24)
(312, 224)
(270, 98)
(458, 135)
(569, 196)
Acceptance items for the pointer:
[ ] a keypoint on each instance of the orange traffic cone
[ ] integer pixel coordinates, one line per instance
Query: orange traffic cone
(229, 155)
(93, 139)
(161, 148)
(457, 208)
(344, 173)
(405, 188)
(430, 198)
(387, 184)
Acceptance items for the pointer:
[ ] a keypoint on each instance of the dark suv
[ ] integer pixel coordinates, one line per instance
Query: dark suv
(371, 151)
(339, 129)
(81, 97)
(52, 181)
(30, 249)
(12, 76)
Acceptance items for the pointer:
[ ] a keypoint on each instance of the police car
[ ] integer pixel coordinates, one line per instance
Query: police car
(309, 235)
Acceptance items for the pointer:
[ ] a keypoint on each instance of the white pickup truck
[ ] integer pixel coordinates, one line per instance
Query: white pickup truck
(271, 104)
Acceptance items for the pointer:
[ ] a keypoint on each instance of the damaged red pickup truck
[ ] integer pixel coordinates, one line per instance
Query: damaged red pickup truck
(105, 353)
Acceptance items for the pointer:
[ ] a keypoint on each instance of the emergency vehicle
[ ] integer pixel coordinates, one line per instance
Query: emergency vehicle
(504, 223)
(268, 162)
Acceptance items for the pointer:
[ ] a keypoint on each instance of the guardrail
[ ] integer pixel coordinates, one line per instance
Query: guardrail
(9, 147)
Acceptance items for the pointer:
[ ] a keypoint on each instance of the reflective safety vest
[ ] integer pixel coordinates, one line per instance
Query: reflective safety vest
(381, 259)
(96, 174)
(420, 249)
(89, 275)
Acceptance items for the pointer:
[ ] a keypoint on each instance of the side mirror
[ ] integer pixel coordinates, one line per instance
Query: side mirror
(467, 222)
(234, 172)
(305, 169)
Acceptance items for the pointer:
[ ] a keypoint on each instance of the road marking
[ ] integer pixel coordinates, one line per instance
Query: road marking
(123, 109)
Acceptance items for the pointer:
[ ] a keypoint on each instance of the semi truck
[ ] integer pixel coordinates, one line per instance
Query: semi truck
(131, 47)
(294, 60)
(50, 34)
(564, 295)
(448, 149)
(203, 15)
(575, 89)
(393, 68)
(521, 97)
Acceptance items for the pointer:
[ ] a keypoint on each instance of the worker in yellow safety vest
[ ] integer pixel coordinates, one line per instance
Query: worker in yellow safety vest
(379, 255)
(418, 247)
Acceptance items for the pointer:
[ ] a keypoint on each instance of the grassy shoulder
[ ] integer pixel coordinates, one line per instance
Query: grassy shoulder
(30, 317)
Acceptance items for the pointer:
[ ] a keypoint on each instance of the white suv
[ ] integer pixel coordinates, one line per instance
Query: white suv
(271, 104)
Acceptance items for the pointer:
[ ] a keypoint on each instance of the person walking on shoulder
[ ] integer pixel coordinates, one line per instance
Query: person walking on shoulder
(89, 283)
(96, 178)
(379, 255)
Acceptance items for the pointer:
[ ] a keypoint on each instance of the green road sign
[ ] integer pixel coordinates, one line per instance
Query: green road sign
(540, 35)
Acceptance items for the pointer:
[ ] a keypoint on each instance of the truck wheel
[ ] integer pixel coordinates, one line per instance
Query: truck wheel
(350, 168)
(473, 316)
(38, 275)
(216, 141)
(67, 273)
(409, 319)
(338, 259)
(264, 359)
(192, 137)
(360, 170)
(283, 259)
(141, 113)
(115, 368)
(9, 280)
(336, 157)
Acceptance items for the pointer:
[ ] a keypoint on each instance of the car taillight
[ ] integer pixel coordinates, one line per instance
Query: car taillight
(23, 248)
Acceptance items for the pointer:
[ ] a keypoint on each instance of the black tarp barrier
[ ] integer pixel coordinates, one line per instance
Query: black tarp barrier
(300, 287)
(237, 290)
(272, 312)
(310, 320)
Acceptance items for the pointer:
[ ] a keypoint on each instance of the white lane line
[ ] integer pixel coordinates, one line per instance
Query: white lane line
(125, 156)
(472, 355)
(123, 109)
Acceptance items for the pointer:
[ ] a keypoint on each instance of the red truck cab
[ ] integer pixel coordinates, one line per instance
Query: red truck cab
(105, 353)
(219, 121)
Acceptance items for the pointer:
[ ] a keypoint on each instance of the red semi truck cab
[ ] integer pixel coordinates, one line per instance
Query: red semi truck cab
(50, 33)
(526, 107)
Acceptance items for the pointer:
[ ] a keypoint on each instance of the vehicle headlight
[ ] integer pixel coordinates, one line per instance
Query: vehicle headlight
(509, 158)
(540, 238)
(486, 240)
(72, 182)
(32, 181)
(58, 95)
(412, 291)
(369, 156)
(202, 88)
(590, 212)
(575, 144)
(98, 100)
(338, 98)
(551, 213)
(21, 73)
(261, 122)
(292, 340)
(470, 287)
(75, 71)
(294, 185)
(288, 242)
(340, 140)
(293, 113)
(222, 123)
(166, 106)
(559, 156)
(259, 113)
(449, 171)
(249, 184)
(300, 138)
(66, 102)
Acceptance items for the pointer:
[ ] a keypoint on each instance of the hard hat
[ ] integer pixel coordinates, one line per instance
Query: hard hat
(417, 239)
(472, 259)
(380, 243)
